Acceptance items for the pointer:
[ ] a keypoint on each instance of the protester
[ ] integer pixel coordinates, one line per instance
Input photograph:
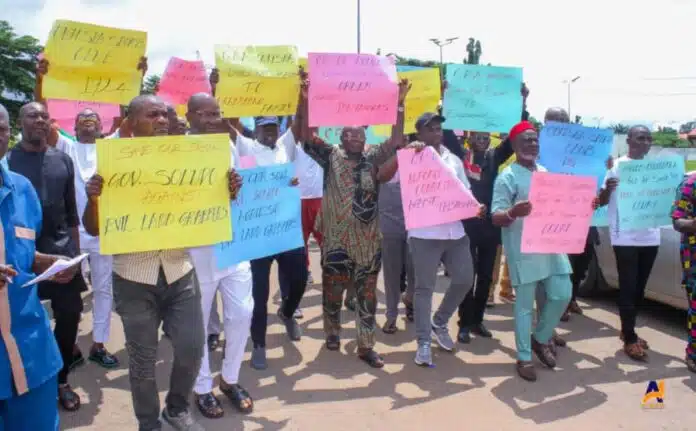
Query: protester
(151, 287)
(234, 283)
(32, 359)
(351, 252)
(429, 246)
(635, 250)
(51, 172)
(83, 154)
(397, 268)
(482, 164)
(268, 149)
(551, 271)
(684, 221)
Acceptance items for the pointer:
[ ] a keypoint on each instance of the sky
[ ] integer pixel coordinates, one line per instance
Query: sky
(633, 57)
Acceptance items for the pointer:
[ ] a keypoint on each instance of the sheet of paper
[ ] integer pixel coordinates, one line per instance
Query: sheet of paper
(58, 266)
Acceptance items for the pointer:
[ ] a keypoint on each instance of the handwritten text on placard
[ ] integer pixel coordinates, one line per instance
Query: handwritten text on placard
(482, 98)
(352, 90)
(646, 191)
(431, 194)
(561, 213)
(257, 80)
(163, 192)
(93, 63)
(266, 216)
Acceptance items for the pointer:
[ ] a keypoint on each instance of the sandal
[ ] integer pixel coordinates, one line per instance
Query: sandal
(372, 359)
(209, 406)
(642, 342)
(239, 396)
(390, 327)
(333, 342)
(409, 307)
(636, 352)
(68, 399)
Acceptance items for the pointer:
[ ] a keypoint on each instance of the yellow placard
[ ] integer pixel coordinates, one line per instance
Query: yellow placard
(163, 192)
(302, 62)
(93, 63)
(257, 80)
(423, 97)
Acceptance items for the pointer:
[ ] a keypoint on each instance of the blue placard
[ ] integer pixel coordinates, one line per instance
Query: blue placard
(646, 191)
(266, 216)
(482, 98)
(332, 135)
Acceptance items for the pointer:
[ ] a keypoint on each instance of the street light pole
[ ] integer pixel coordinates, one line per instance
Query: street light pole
(440, 44)
(570, 82)
(359, 27)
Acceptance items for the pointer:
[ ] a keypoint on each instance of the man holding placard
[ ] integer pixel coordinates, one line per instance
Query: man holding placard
(151, 287)
(528, 271)
(635, 249)
(234, 284)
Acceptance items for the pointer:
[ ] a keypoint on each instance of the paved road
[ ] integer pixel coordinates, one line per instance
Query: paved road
(308, 388)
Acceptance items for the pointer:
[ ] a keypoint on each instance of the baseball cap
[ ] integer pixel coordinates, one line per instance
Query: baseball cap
(265, 121)
(428, 118)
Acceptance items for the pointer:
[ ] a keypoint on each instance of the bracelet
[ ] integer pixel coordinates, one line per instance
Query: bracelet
(511, 218)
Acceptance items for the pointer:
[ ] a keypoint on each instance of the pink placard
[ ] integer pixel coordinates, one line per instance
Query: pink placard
(352, 90)
(65, 112)
(431, 194)
(561, 213)
(247, 162)
(182, 79)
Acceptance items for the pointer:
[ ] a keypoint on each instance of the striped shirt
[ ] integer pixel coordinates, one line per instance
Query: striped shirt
(144, 267)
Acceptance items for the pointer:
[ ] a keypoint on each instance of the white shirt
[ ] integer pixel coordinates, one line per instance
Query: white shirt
(452, 230)
(310, 175)
(203, 258)
(84, 158)
(284, 151)
(637, 237)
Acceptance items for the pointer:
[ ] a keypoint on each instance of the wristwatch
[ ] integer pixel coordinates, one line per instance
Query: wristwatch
(401, 108)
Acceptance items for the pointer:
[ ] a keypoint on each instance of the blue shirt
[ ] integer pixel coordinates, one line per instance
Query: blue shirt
(20, 211)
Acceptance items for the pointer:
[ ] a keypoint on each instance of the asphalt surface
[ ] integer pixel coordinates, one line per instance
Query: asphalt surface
(306, 387)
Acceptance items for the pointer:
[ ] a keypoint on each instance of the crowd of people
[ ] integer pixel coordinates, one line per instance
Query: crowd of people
(351, 204)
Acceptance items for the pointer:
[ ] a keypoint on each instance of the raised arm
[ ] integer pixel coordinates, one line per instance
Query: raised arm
(504, 151)
(387, 170)
(610, 183)
(214, 79)
(388, 148)
(90, 217)
(41, 71)
(313, 145)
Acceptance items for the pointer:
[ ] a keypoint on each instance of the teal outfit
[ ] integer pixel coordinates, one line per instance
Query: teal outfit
(550, 271)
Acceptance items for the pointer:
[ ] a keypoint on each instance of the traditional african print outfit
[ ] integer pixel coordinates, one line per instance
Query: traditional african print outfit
(351, 251)
(684, 208)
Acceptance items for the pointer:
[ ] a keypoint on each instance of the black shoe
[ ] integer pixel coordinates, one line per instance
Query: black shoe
(104, 358)
(291, 326)
(464, 336)
(481, 331)
(213, 342)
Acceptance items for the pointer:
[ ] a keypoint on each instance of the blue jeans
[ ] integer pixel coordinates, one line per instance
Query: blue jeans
(37, 410)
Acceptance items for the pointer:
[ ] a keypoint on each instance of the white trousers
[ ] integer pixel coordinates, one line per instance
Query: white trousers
(102, 296)
(214, 324)
(237, 307)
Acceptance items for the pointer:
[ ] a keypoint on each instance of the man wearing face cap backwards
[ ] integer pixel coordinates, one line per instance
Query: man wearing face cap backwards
(550, 271)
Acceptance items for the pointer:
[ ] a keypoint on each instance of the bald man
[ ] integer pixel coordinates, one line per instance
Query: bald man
(635, 250)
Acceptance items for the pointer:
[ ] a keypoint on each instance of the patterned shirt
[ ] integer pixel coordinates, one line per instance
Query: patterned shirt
(348, 218)
(684, 208)
(144, 267)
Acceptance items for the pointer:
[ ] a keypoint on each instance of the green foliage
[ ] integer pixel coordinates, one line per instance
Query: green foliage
(619, 129)
(150, 84)
(17, 69)
(537, 124)
(473, 49)
(669, 139)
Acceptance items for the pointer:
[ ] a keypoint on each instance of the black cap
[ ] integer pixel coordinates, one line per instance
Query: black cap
(428, 118)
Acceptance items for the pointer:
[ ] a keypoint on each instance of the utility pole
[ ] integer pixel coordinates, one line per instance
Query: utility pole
(359, 26)
(442, 44)
(569, 83)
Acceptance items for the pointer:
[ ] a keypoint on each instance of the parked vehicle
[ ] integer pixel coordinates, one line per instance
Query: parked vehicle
(664, 284)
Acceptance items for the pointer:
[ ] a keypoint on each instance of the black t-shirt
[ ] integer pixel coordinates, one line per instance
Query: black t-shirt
(52, 174)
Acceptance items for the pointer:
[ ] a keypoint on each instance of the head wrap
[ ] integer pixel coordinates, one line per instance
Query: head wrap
(520, 128)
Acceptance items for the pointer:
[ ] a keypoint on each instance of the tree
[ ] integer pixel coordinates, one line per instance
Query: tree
(150, 84)
(537, 124)
(473, 50)
(687, 127)
(620, 129)
(17, 68)
(578, 119)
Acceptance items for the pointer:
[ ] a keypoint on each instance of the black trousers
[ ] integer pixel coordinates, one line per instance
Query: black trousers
(580, 263)
(292, 265)
(66, 304)
(633, 263)
(483, 242)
